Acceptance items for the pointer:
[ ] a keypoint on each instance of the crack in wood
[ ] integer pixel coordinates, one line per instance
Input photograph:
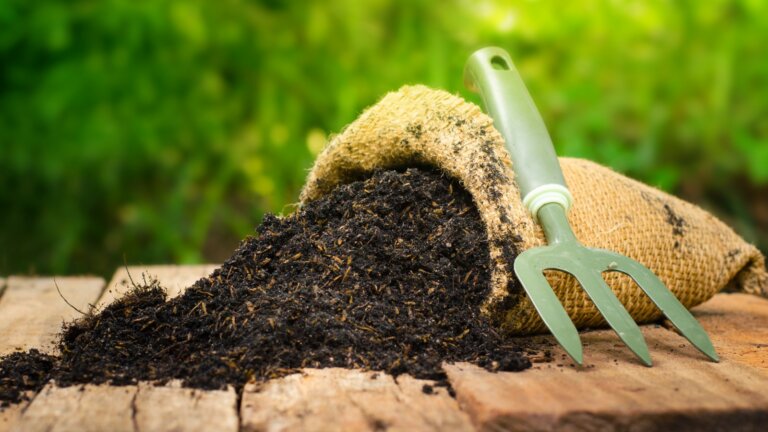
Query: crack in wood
(134, 411)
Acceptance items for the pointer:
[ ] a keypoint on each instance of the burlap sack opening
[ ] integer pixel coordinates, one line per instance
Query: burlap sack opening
(694, 253)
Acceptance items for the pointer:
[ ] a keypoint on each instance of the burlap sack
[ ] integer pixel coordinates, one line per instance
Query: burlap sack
(694, 253)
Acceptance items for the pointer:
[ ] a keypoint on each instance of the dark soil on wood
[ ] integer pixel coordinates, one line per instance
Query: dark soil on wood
(384, 274)
(22, 372)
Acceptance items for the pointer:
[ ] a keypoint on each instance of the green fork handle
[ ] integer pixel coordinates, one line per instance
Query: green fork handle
(491, 73)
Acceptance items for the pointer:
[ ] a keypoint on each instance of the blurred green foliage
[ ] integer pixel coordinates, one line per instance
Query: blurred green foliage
(161, 131)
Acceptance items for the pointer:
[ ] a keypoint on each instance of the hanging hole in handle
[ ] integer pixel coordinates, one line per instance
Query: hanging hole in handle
(499, 63)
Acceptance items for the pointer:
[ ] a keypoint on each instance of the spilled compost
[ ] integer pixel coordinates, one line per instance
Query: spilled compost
(386, 274)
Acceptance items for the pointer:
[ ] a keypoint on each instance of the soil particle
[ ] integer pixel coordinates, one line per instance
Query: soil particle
(678, 223)
(384, 274)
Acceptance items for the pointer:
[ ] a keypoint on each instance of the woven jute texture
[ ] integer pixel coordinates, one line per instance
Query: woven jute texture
(690, 250)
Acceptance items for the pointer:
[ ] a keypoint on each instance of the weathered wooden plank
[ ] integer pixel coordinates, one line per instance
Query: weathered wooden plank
(341, 399)
(76, 408)
(738, 324)
(175, 279)
(144, 407)
(682, 391)
(31, 310)
(31, 314)
(11, 414)
(171, 408)
(8, 415)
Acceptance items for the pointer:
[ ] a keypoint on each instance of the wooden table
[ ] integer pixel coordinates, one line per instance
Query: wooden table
(612, 391)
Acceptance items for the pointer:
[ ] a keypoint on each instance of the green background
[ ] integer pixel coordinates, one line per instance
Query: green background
(162, 131)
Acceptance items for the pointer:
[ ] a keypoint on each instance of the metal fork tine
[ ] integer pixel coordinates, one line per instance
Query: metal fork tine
(668, 303)
(614, 313)
(548, 305)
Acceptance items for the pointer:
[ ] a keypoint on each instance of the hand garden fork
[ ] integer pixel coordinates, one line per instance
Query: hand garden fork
(490, 72)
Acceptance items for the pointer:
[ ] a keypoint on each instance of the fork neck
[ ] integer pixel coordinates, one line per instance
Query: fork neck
(554, 221)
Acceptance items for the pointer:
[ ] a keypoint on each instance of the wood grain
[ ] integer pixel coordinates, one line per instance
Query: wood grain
(31, 310)
(172, 408)
(31, 314)
(682, 391)
(738, 325)
(10, 415)
(350, 400)
(87, 408)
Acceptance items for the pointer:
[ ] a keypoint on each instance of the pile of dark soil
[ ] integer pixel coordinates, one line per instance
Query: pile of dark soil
(384, 274)
(21, 372)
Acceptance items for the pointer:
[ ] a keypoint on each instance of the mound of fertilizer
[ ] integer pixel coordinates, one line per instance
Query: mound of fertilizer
(383, 274)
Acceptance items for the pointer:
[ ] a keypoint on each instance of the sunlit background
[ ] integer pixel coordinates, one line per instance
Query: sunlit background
(160, 132)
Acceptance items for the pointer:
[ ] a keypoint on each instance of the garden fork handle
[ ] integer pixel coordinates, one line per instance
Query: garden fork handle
(490, 72)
